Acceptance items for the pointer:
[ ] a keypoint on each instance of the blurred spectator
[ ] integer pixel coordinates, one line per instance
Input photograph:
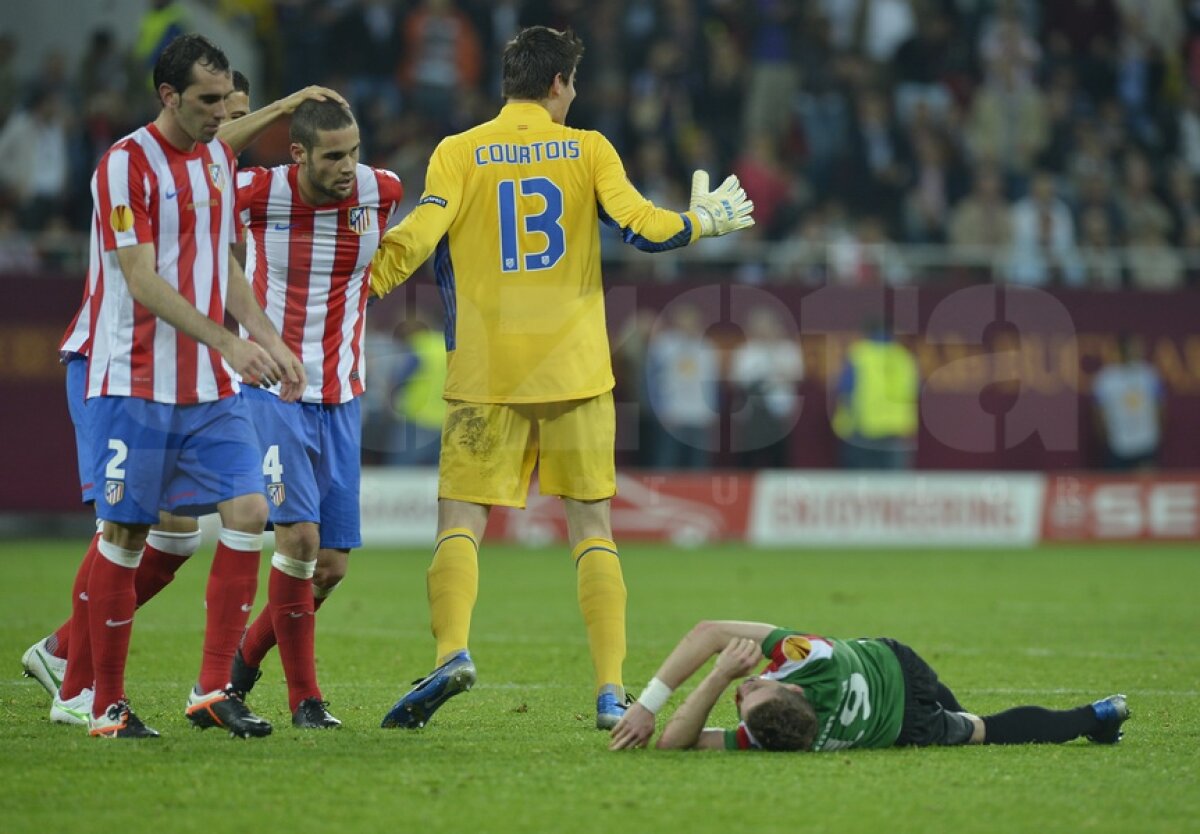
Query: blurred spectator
(1153, 264)
(866, 257)
(630, 350)
(162, 23)
(17, 252)
(1008, 122)
(1102, 265)
(10, 86)
(773, 77)
(936, 183)
(1130, 407)
(921, 68)
(765, 180)
(876, 414)
(1181, 198)
(724, 91)
(878, 159)
(883, 25)
(981, 223)
(1141, 211)
(417, 394)
(764, 372)
(682, 372)
(104, 69)
(1159, 21)
(1010, 54)
(363, 41)
(1043, 247)
(1189, 128)
(442, 58)
(56, 246)
(34, 161)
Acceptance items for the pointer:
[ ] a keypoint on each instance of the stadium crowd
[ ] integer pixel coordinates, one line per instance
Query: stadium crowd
(1050, 144)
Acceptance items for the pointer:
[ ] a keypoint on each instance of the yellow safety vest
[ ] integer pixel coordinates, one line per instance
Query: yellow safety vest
(884, 400)
(421, 400)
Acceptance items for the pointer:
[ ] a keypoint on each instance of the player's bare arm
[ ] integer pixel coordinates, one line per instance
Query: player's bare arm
(686, 728)
(150, 290)
(706, 638)
(243, 306)
(239, 133)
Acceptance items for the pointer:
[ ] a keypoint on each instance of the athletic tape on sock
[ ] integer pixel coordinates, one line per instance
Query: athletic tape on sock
(119, 555)
(293, 567)
(237, 540)
(182, 545)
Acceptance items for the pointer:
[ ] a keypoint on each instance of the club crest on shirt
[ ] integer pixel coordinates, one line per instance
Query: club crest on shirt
(359, 219)
(114, 491)
(217, 174)
(796, 648)
(277, 493)
(121, 219)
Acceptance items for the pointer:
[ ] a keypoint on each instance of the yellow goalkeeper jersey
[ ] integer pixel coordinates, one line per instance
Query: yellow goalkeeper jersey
(513, 208)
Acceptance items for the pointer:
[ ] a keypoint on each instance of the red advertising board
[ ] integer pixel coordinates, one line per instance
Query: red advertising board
(680, 508)
(1160, 507)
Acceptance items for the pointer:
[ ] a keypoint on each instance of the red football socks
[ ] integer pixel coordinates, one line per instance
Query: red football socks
(229, 598)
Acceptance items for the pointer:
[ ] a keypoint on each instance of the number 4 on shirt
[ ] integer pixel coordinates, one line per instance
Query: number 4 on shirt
(547, 222)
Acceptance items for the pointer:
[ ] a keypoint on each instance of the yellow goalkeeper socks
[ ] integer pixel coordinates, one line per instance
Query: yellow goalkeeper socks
(602, 602)
(453, 584)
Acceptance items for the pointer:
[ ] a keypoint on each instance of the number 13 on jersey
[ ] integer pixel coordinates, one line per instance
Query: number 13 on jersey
(547, 222)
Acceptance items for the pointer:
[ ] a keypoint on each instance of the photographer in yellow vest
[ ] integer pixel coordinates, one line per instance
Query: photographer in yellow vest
(877, 400)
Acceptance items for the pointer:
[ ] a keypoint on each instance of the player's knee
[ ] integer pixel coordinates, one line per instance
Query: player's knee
(299, 541)
(246, 514)
(327, 576)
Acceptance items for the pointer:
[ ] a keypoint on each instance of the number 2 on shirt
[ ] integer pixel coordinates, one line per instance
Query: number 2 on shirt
(547, 222)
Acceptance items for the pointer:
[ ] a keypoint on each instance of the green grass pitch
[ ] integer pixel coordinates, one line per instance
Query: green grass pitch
(1053, 626)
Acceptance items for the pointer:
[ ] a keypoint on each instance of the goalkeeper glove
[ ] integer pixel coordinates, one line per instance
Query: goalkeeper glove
(725, 210)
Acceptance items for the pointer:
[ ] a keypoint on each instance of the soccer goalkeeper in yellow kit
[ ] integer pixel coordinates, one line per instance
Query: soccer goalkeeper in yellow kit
(511, 212)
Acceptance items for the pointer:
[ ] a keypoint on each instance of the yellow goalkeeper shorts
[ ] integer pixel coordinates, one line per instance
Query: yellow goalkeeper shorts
(489, 450)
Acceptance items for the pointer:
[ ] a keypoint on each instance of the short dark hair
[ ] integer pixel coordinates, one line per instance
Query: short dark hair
(313, 116)
(241, 84)
(783, 723)
(174, 65)
(534, 57)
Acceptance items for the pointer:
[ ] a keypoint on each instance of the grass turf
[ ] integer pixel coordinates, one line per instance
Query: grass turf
(1056, 627)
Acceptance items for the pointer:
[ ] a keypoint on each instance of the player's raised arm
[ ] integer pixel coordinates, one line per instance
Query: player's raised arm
(239, 133)
(704, 640)
(686, 728)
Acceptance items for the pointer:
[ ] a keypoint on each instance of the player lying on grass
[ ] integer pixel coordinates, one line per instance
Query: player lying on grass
(822, 693)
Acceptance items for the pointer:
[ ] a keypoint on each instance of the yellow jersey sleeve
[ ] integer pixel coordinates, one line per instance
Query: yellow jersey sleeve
(408, 244)
(641, 223)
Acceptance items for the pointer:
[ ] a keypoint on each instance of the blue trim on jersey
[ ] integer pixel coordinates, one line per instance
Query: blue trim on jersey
(682, 238)
(590, 549)
(443, 268)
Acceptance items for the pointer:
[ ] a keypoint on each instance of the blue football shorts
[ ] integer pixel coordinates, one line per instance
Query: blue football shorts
(185, 459)
(77, 367)
(311, 463)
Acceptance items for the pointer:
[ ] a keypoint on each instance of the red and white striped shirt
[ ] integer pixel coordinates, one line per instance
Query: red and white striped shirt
(310, 268)
(147, 191)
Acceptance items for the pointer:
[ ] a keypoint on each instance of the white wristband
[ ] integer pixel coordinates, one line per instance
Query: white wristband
(654, 696)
